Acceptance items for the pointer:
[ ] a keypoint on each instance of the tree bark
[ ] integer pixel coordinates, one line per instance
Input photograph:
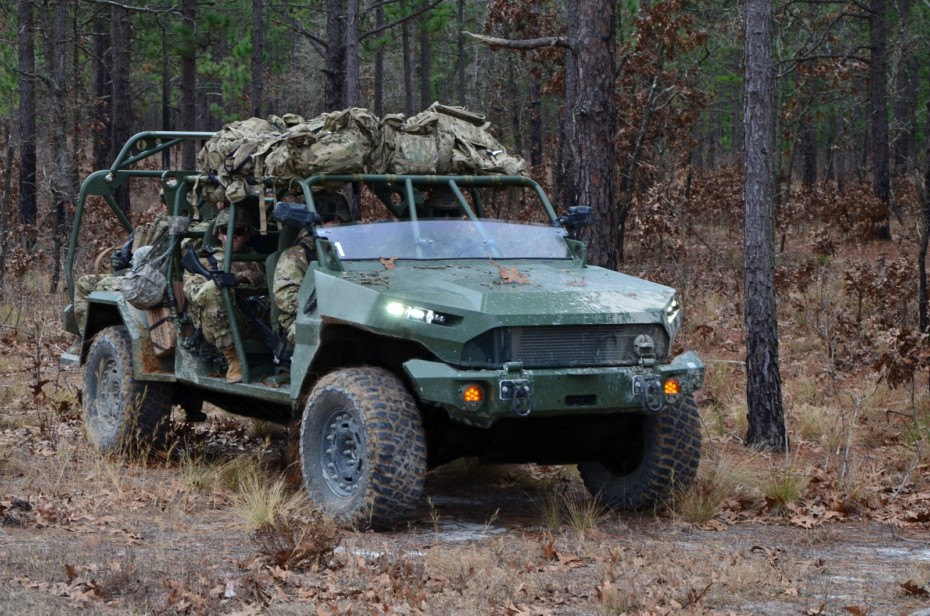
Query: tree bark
(61, 175)
(763, 378)
(460, 55)
(905, 93)
(379, 65)
(102, 108)
(121, 127)
(878, 113)
(166, 122)
(923, 316)
(590, 126)
(335, 93)
(28, 208)
(258, 52)
(409, 67)
(426, 59)
(536, 130)
(351, 54)
(188, 119)
(809, 138)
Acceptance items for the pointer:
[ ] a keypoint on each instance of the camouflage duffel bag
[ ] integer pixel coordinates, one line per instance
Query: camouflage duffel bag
(145, 285)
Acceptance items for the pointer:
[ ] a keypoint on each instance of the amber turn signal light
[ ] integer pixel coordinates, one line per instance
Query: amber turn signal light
(473, 396)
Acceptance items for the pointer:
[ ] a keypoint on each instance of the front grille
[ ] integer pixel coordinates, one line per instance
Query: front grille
(563, 346)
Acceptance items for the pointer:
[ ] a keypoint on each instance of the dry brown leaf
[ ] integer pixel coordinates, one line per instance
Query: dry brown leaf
(913, 589)
(511, 275)
(388, 263)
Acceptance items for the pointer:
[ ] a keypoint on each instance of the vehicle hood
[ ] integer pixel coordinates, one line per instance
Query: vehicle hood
(508, 293)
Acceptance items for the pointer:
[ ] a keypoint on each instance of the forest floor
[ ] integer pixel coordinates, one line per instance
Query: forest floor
(840, 525)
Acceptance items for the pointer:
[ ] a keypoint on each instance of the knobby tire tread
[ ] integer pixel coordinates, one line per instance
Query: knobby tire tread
(144, 409)
(395, 453)
(669, 462)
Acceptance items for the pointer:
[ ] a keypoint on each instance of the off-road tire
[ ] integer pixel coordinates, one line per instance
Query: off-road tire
(670, 454)
(375, 478)
(121, 414)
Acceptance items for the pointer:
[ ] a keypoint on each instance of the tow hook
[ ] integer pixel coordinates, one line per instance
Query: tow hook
(521, 399)
(650, 389)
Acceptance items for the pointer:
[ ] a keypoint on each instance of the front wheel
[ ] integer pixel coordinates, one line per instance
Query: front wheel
(362, 448)
(121, 414)
(665, 458)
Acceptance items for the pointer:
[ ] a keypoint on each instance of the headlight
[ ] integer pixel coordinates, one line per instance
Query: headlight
(424, 315)
(673, 310)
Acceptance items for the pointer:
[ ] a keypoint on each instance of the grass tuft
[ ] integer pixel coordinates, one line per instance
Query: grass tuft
(784, 487)
(261, 504)
(573, 508)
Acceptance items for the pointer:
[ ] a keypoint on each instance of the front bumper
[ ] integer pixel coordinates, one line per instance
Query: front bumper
(553, 392)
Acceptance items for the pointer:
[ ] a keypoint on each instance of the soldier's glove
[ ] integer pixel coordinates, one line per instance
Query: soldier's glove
(122, 258)
(117, 262)
(224, 279)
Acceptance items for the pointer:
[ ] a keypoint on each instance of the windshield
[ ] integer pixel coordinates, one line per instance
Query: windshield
(447, 239)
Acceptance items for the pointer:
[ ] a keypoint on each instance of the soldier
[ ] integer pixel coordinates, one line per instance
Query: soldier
(207, 309)
(293, 262)
(120, 261)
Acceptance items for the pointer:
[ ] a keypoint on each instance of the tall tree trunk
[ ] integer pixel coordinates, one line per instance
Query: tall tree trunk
(878, 113)
(841, 152)
(5, 201)
(258, 52)
(61, 174)
(188, 119)
(102, 108)
(351, 54)
(121, 126)
(763, 378)
(515, 107)
(409, 67)
(809, 137)
(905, 93)
(460, 55)
(335, 93)
(590, 122)
(379, 65)
(536, 132)
(923, 316)
(165, 95)
(28, 208)
(426, 59)
(736, 124)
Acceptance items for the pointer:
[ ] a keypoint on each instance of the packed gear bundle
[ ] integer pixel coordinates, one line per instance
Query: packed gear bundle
(443, 139)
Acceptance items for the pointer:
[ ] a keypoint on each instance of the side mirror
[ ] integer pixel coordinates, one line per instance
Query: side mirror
(578, 216)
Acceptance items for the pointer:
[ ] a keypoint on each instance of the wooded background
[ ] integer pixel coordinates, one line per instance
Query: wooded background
(78, 77)
(633, 107)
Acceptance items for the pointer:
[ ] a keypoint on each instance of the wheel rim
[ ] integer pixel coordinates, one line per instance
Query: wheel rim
(109, 396)
(341, 445)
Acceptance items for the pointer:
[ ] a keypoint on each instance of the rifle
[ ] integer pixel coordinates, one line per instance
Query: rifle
(296, 215)
(253, 307)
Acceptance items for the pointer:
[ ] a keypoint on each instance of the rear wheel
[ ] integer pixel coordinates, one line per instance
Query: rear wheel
(666, 459)
(122, 414)
(362, 448)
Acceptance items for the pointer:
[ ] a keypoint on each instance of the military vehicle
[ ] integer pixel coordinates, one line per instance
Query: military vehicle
(459, 319)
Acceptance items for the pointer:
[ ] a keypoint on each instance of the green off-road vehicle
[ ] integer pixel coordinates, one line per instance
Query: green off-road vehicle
(459, 320)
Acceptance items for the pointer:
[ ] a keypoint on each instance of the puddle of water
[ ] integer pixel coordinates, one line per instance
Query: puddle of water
(457, 532)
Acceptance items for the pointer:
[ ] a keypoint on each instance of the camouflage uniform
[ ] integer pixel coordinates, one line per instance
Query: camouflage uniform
(288, 274)
(206, 305)
(86, 285)
(293, 263)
